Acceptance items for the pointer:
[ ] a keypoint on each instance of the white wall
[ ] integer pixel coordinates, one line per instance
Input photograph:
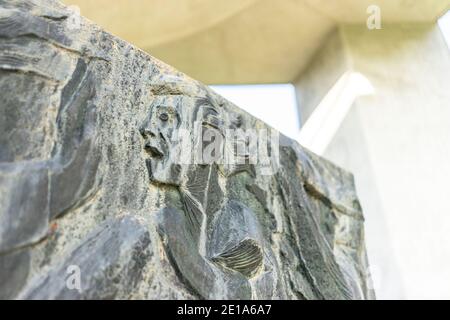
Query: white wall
(397, 143)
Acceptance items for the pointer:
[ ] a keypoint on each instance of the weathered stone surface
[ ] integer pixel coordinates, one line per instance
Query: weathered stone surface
(97, 175)
(112, 260)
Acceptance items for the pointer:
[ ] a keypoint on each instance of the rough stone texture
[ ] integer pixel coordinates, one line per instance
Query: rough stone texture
(87, 179)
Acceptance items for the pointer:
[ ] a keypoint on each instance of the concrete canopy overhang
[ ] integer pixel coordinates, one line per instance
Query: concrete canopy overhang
(242, 41)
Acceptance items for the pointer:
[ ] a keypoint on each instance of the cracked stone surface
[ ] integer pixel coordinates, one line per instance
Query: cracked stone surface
(88, 181)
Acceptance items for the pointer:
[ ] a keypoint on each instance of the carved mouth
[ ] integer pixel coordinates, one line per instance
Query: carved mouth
(153, 151)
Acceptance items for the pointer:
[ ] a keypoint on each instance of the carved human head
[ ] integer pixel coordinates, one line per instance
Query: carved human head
(176, 133)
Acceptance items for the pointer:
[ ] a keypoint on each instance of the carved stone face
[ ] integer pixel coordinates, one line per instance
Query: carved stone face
(159, 142)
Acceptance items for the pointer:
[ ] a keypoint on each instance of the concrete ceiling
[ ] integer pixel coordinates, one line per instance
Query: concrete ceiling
(242, 41)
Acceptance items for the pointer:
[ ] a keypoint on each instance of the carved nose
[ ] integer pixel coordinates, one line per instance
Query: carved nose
(147, 132)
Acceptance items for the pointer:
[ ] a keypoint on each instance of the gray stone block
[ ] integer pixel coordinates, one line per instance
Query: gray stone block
(119, 179)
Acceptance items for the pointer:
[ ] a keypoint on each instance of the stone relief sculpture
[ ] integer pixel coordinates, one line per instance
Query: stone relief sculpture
(213, 237)
(113, 162)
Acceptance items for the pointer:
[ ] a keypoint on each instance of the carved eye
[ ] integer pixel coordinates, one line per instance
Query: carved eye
(164, 116)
